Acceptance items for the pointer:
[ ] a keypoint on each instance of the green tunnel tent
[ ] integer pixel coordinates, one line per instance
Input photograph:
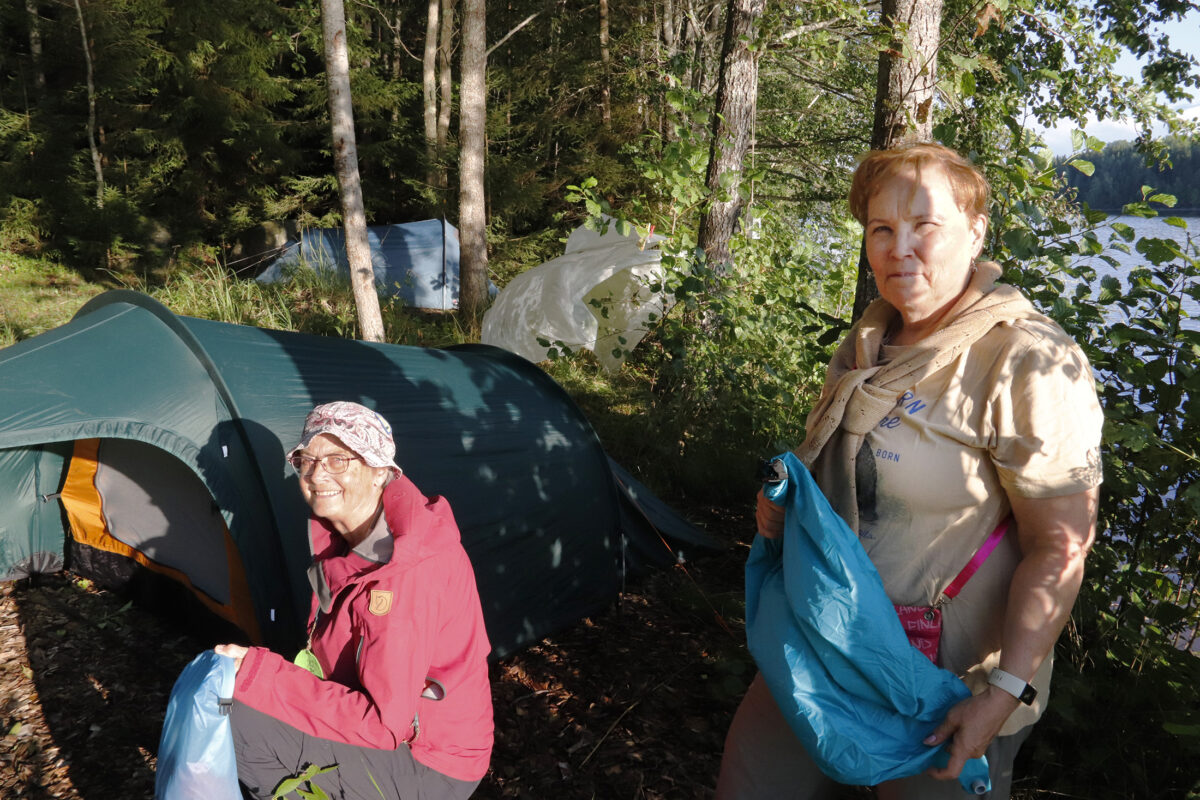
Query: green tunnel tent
(134, 436)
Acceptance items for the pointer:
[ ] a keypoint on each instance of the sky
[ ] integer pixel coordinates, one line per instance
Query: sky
(1185, 36)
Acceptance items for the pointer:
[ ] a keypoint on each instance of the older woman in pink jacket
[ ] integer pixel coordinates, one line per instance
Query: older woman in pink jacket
(393, 686)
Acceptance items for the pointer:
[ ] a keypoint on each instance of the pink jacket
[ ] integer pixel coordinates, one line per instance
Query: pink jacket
(389, 628)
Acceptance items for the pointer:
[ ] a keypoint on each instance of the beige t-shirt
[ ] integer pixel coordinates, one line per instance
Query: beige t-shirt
(1017, 413)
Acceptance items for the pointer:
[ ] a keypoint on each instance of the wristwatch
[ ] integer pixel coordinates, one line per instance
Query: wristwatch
(1013, 685)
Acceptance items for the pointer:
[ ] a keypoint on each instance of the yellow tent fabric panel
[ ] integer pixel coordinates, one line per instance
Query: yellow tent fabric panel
(85, 512)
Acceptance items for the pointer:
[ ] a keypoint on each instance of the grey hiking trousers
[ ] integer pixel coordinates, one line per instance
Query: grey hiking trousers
(270, 751)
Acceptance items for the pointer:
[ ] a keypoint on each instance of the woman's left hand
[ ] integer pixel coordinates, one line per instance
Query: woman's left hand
(234, 651)
(970, 727)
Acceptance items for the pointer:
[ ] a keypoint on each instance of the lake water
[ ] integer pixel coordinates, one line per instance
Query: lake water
(1155, 227)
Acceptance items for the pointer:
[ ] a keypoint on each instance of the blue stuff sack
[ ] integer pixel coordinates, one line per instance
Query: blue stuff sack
(828, 643)
(196, 760)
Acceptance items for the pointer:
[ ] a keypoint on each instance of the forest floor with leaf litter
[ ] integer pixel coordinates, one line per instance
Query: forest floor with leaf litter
(631, 702)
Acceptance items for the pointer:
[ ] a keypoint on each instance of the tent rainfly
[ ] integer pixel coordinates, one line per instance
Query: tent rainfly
(131, 435)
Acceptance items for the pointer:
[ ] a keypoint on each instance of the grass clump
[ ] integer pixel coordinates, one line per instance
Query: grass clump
(319, 302)
(37, 295)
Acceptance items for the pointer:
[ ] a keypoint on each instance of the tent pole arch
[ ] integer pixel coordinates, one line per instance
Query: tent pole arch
(169, 319)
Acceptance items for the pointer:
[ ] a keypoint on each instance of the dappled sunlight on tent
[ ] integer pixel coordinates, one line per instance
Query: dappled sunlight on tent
(552, 438)
(547, 526)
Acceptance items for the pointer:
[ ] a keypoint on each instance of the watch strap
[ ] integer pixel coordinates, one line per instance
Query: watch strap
(1010, 683)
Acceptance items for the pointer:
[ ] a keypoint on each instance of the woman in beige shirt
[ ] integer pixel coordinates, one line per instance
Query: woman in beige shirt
(951, 405)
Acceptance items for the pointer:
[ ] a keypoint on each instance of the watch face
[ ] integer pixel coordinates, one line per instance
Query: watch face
(1028, 694)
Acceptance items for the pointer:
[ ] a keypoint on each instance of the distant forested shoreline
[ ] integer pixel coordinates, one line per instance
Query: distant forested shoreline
(1121, 171)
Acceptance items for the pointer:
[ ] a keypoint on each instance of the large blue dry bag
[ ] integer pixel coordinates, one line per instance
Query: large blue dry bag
(829, 645)
(195, 754)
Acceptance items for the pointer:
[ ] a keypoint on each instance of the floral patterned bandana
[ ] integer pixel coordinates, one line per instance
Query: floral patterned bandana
(357, 427)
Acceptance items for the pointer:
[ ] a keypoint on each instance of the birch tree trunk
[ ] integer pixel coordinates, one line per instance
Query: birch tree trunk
(446, 90)
(643, 101)
(905, 87)
(733, 128)
(472, 146)
(430, 91)
(904, 91)
(97, 163)
(605, 68)
(670, 27)
(345, 162)
(397, 55)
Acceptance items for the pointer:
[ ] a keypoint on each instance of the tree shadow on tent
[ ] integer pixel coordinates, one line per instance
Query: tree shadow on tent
(527, 479)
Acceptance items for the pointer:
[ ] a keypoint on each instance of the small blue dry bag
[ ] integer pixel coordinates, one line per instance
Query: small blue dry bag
(829, 645)
(196, 760)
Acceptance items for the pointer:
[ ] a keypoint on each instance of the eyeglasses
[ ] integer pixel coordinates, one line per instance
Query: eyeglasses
(333, 464)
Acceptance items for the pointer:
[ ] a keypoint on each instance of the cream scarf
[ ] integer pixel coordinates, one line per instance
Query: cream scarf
(859, 392)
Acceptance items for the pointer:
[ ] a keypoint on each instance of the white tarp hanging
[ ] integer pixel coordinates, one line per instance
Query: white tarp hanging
(596, 296)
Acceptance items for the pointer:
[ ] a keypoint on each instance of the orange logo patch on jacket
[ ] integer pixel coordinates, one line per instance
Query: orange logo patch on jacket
(381, 602)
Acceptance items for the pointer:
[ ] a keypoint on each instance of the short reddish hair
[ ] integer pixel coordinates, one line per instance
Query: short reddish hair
(971, 190)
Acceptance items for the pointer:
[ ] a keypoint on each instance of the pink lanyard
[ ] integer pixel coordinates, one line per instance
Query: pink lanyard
(981, 555)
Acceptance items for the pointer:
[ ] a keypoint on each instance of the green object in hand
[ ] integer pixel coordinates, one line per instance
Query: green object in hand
(306, 660)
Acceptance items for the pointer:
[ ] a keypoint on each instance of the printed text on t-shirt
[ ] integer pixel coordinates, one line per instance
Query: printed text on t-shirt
(910, 404)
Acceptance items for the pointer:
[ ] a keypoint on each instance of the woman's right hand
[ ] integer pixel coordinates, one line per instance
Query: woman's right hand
(769, 517)
(235, 651)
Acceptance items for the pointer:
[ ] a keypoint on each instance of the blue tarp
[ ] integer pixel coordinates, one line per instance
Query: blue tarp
(415, 261)
(830, 647)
